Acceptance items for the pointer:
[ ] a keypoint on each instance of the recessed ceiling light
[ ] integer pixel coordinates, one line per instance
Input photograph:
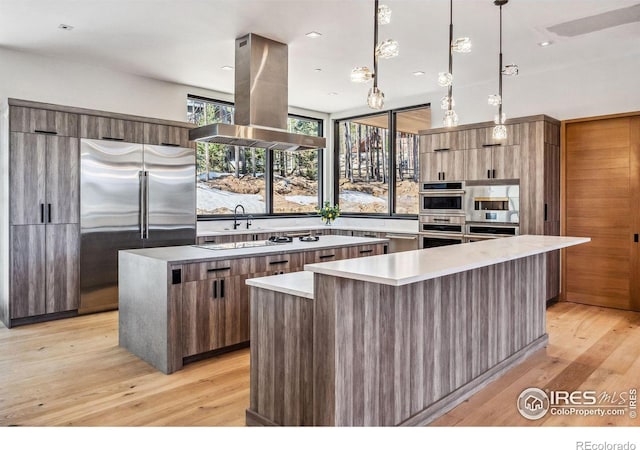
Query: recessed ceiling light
(333, 93)
(418, 73)
(317, 70)
(64, 27)
(313, 34)
(545, 43)
(226, 68)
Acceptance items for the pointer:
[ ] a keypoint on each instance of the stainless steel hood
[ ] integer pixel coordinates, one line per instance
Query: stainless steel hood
(261, 101)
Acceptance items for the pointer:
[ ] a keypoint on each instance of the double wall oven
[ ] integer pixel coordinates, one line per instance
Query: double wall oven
(455, 212)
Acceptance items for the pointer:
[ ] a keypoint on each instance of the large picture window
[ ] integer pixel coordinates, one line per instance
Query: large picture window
(377, 161)
(229, 175)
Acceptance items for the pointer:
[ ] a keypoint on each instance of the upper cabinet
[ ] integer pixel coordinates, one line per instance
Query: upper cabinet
(96, 127)
(499, 162)
(166, 135)
(43, 121)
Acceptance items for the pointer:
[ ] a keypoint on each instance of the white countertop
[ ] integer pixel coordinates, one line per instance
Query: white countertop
(299, 284)
(267, 230)
(398, 269)
(191, 253)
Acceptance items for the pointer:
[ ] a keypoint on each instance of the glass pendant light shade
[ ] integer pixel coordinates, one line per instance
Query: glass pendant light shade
(447, 102)
(375, 99)
(510, 70)
(361, 75)
(388, 49)
(500, 132)
(500, 119)
(384, 14)
(461, 45)
(495, 99)
(445, 79)
(450, 119)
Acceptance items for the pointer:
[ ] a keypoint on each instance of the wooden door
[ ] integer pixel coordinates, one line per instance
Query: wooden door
(63, 180)
(202, 317)
(62, 267)
(27, 178)
(452, 165)
(506, 162)
(634, 137)
(429, 167)
(235, 293)
(601, 204)
(27, 271)
(478, 164)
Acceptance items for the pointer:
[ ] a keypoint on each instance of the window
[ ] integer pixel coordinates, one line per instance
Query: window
(377, 170)
(229, 175)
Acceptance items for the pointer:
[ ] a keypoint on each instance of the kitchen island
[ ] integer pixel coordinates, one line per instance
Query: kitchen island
(395, 339)
(178, 304)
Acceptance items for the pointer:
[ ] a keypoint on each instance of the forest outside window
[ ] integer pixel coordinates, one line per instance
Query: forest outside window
(377, 170)
(229, 175)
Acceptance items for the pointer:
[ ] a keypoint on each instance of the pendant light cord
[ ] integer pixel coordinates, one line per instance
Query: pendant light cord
(375, 44)
(450, 90)
(500, 72)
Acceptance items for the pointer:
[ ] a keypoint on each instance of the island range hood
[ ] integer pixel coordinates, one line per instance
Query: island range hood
(261, 101)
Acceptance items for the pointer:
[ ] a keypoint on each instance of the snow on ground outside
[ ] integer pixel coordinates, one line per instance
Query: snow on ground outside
(359, 197)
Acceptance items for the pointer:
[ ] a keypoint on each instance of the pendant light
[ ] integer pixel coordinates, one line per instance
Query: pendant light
(386, 49)
(500, 130)
(445, 79)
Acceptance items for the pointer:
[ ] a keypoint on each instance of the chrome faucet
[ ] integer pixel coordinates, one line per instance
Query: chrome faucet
(236, 224)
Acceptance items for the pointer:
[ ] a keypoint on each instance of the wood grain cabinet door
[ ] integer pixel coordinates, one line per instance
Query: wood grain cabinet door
(452, 165)
(506, 162)
(63, 181)
(203, 317)
(27, 271)
(166, 135)
(27, 178)
(429, 167)
(478, 164)
(108, 129)
(235, 293)
(62, 267)
(34, 120)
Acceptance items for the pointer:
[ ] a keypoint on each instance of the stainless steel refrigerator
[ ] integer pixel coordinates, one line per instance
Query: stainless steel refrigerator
(131, 196)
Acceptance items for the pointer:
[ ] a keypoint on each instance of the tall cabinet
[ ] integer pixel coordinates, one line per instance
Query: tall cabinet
(40, 207)
(530, 155)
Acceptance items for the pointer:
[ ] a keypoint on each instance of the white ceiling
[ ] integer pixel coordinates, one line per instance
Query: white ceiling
(188, 41)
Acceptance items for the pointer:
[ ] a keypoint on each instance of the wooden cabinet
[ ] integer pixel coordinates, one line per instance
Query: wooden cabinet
(44, 179)
(447, 141)
(326, 255)
(45, 269)
(44, 121)
(493, 162)
(203, 320)
(443, 165)
(155, 134)
(106, 128)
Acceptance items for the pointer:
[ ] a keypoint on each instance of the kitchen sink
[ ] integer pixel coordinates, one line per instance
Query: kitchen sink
(234, 245)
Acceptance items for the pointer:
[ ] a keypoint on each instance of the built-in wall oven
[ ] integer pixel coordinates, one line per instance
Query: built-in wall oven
(496, 203)
(440, 230)
(442, 198)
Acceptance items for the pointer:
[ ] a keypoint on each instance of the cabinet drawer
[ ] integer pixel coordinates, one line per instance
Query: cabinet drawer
(95, 127)
(330, 254)
(366, 250)
(45, 121)
(166, 135)
(277, 263)
(213, 269)
(442, 220)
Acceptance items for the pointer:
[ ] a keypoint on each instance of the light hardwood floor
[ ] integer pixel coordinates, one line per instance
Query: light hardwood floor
(72, 372)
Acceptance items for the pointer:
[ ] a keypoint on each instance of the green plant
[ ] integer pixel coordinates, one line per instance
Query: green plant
(329, 213)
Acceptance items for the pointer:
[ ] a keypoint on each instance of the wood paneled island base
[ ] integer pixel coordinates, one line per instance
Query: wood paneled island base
(365, 353)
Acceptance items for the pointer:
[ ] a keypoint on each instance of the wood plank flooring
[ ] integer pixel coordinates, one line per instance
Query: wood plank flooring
(72, 372)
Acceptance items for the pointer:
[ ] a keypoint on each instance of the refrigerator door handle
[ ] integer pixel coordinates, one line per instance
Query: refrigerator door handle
(141, 207)
(146, 204)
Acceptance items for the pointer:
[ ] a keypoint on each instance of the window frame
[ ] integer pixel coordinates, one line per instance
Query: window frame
(391, 163)
(268, 176)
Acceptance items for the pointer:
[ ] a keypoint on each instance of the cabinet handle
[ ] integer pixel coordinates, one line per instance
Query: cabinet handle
(170, 145)
(215, 289)
(545, 212)
(326, 256)
(441, 149)
(635, 237)
(221, 288)
(488, 173)
(366, 251)
(282, 261)
(109, 138)
(493, 173)
(491, 145)
(49, 212)
(444, 176)
(441, 220)
(219, 269)
(370, 235)
(53, 133)
(41, 212)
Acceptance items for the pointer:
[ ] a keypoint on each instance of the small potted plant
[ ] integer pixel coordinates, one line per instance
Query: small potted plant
(329, 213)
